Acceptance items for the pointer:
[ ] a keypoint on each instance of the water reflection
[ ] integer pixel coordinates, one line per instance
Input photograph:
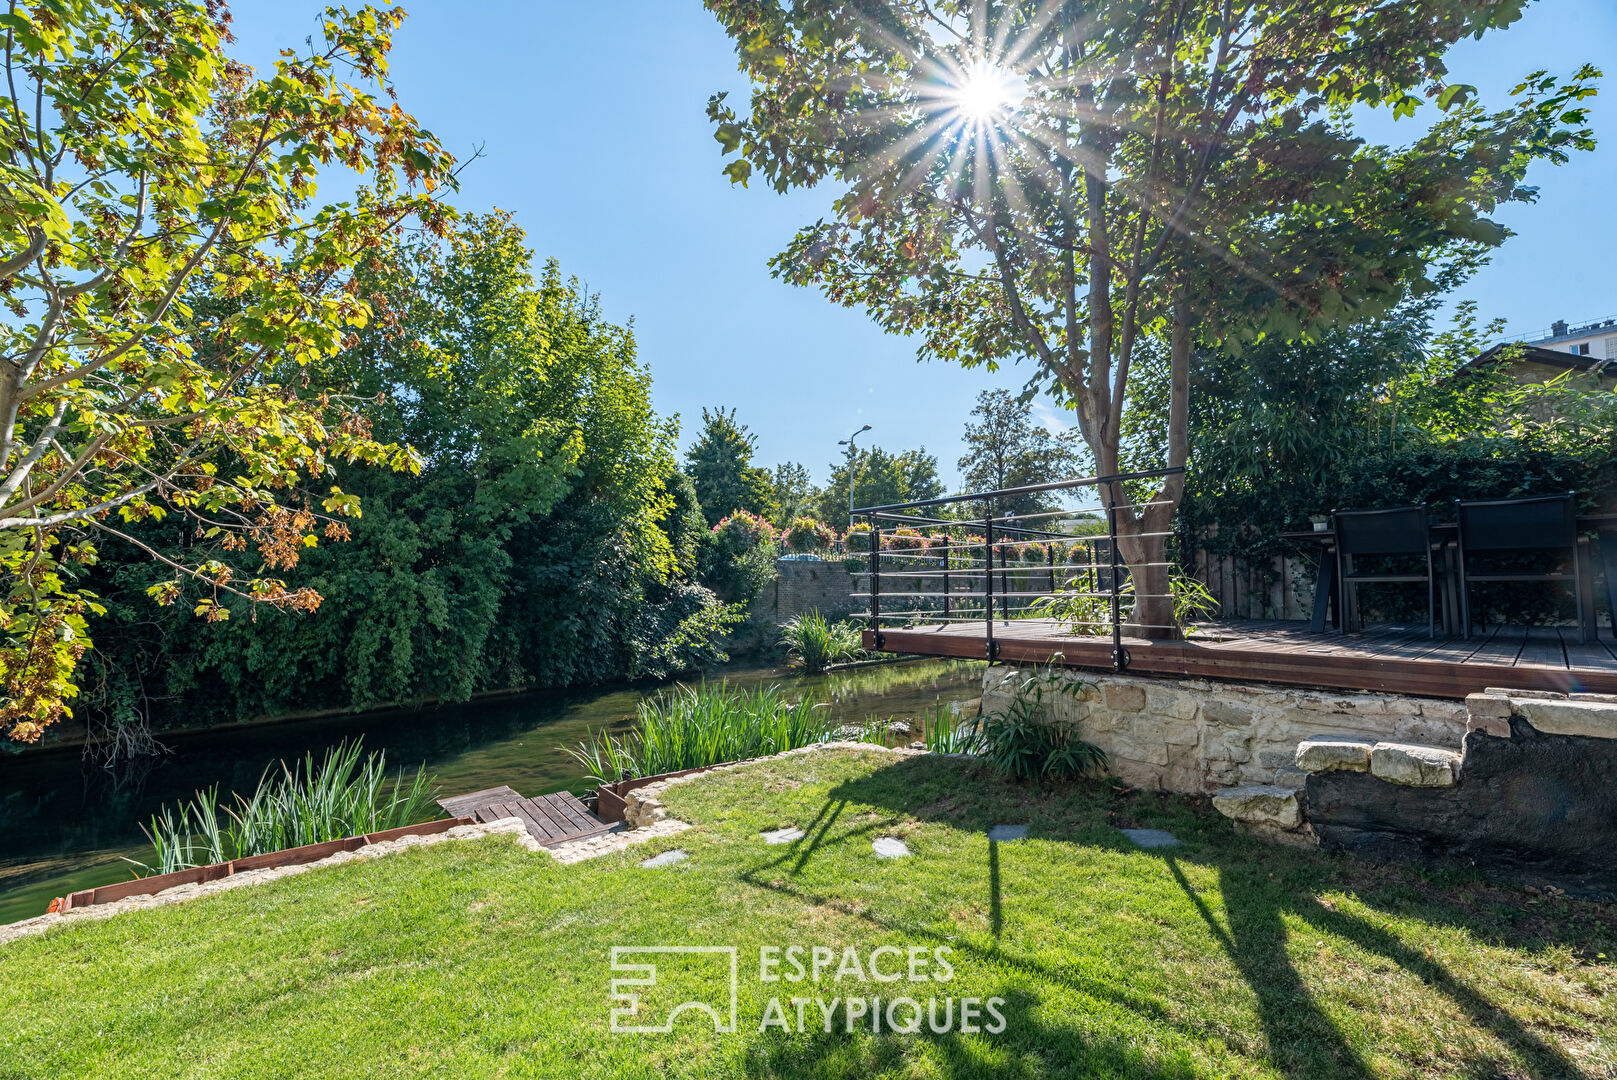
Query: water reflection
(63, 825)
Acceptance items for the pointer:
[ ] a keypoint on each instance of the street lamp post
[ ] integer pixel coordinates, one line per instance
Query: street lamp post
(848, 442)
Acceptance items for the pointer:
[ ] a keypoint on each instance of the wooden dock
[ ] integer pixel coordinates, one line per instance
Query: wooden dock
(551, 819)
(1389, 659)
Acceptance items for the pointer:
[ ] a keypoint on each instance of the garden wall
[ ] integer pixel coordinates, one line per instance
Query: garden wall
(1195, 737)
(803, 585)
(1531, 792)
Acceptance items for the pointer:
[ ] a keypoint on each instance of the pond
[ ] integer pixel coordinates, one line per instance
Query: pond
(66, 826)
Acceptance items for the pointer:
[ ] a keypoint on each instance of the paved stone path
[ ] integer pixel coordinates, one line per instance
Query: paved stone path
(783, 836)
(667, 858)
(1151, 838)
(1002, 834)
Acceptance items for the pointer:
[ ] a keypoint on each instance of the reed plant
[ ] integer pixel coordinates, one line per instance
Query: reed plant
(345, 793)
(814, 643)
(688, 727)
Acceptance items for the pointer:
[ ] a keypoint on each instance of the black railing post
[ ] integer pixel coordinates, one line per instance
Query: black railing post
(988, 580)
(1050, 561)
(875, 580)
(948, 542)
(1119, 657)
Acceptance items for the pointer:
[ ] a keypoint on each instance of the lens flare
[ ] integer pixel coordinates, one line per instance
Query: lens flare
(988, 93)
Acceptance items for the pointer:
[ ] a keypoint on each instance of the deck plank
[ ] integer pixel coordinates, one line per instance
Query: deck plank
(1399, 659)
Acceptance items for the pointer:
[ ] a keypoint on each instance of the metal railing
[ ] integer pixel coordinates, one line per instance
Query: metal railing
(925, 570)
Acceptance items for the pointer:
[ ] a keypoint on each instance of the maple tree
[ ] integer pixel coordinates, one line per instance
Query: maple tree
(169, 274)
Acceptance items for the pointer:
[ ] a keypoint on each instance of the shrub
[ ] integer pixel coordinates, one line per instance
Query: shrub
(745, 530)
(808, 534)
(344, 795)
(1025, 741)
(815, 642)
(690, 727)
(1035, 554)
(737, 557)
(904, 538)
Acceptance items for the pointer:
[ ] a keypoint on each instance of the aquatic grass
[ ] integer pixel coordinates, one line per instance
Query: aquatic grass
(814, 642)
(688, 727)
(345, 794)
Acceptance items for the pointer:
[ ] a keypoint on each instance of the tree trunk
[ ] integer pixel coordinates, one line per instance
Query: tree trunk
(1147, 560)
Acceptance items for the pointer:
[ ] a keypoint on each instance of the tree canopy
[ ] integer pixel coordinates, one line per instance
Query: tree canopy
(720, 464)
(880, 478)
(170, 275)
(1006, 449)
(1061, 181)
(549, 539)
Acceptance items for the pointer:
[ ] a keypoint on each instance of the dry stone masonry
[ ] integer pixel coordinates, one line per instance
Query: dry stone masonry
(1196, 737)
(1515, 779)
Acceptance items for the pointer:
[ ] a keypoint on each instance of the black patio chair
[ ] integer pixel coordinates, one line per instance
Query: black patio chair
(1545, 524)
(1380, 534)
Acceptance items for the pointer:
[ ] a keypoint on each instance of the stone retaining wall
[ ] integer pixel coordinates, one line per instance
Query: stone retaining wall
(1195, 737)
(1532, 791)
(802, 585)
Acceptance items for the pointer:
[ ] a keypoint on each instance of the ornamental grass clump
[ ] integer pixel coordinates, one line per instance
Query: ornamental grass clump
(813, 642)
(345, 794)
(689, 727)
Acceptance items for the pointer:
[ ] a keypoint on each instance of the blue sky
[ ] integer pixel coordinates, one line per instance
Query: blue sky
(591, 118)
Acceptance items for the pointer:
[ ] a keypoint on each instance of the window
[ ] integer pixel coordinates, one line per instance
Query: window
(1611, 348)
(1581, 350)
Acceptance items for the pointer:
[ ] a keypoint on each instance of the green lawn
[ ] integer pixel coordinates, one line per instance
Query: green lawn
(1223, 957)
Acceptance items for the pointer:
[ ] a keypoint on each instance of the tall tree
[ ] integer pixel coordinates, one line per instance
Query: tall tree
(879, 479)
(794, 493)
(1058, 180)
(169, 274)
(1006, 449)
(720, 464)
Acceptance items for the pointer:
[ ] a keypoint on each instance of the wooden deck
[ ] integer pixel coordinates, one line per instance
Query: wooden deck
(551, 819)
(1391, 659)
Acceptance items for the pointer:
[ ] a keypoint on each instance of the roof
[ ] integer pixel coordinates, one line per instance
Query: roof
(1534, 355)
(1592, 328)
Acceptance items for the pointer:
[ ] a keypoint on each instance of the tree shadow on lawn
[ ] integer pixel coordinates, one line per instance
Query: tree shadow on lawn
(1302, 1039)
(1028, 1048)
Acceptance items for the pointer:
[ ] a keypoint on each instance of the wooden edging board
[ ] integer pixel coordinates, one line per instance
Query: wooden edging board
(610, 805)
(308, 853)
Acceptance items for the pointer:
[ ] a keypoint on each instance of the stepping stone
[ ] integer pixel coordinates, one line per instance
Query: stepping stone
(1005, 833)
(667, 858)
(1151, 838)
(890, 847)
(783, 836)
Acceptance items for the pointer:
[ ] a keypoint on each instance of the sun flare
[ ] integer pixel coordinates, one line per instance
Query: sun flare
(987, 93)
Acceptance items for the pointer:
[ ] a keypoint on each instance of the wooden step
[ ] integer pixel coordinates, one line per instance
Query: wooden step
(558, 818)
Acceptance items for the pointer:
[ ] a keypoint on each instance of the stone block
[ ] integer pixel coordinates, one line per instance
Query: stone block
(1414, 765)
(1215, 711)
(1171, 703)
(1542, 695)
(1290, 778)
(1593, 719)
(1331, 755)
(1279, 758)
(1260, 804)
(1488, 713)
(1609, 699)
(1125, 697)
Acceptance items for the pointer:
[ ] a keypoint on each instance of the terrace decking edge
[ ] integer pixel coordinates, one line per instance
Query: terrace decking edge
(1250, 658)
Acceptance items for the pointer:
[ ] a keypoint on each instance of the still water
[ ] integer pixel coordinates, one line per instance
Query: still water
(67, 826)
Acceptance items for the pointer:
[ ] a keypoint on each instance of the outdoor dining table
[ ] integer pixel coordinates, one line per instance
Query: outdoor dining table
(1447, 535)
